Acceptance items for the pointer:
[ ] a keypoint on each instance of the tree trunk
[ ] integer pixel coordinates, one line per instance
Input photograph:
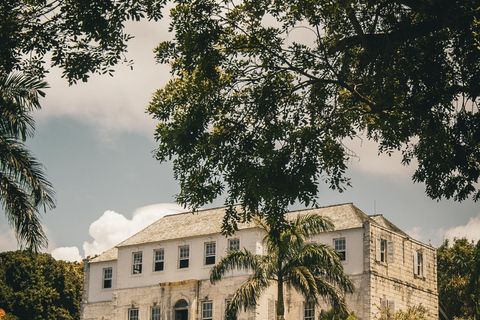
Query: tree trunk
(280, 303)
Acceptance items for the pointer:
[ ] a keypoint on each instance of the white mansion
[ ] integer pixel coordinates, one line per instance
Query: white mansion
(162, 272)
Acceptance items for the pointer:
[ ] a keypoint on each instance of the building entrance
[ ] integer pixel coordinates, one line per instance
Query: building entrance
(181, 310)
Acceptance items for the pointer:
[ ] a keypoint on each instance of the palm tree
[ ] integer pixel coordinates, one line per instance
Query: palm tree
(313, 270)
(24, 189)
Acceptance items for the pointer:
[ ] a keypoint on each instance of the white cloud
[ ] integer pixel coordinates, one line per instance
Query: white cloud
(470, 231)
(415, 233)
(112, 227)
(67, 254)
(118, 103)
(368, 159)
(7, 239)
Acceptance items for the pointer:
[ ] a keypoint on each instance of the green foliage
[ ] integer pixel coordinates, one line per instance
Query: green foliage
(36, 286)
(24, 189)
(82, 36)
(313, 270)
(265, 92)
(418, 312)
(459, 278)
(333, 314)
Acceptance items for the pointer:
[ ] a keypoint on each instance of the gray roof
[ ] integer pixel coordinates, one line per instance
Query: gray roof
(108, 255)
(381, 220)
(209, 221)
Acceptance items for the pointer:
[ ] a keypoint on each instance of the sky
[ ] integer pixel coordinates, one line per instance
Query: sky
(96, 142)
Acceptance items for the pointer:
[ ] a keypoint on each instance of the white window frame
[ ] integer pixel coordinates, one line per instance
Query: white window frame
(137, 262)
(159, 257)
(419, 265)
(184, 255)
(341, 248)
(210, 251)
(107, 275)
(207, 310)
(155, 313)
(133, 314)
(309, 310)
(233, 244)
(385, 250)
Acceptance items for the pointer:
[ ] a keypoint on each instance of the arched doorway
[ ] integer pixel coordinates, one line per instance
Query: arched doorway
(181, 310)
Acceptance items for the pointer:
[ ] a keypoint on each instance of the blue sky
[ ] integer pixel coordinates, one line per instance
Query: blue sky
(96, 142)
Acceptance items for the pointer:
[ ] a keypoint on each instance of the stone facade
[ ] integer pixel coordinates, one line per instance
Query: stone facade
(144, 277)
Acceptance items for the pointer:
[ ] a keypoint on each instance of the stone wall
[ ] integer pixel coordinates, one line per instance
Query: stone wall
(397, 280)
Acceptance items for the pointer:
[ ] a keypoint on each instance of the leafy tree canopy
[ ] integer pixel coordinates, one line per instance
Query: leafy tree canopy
(258, 112)
(36, 286)
(459, 278)
(82, 36)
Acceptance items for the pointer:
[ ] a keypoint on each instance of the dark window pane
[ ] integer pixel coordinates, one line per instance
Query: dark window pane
(183, 263)
(159, 266)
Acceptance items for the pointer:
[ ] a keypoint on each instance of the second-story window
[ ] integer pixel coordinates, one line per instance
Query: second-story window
(107, 278)
(159, 260)
(419, 264)
(341, 247)
(137, 263)
(233, 244)
(383, 250)
(183, 257)
(210, 253)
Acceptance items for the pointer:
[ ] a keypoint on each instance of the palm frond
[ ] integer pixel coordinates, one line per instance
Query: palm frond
(234, 260)
(331, 295)
(20, 165)
(22, 215)
(300, 278)
(19, 96)
(312, 224)
(248, 293)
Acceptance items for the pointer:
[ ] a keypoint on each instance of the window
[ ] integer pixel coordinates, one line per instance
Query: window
(231, 317)
(384, 250)
(107, 278)
(340, 247)
(159, 260)
(233, 244)
(184, 255)
(387, 306)
(155, 313)
(209, 253)
(133, 314)
(309, 311)
(137, 263)
(419, 264)
(207, 310)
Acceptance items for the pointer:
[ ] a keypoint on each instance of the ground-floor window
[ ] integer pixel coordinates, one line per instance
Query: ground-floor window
(133, 314)
(309, 311)
(155, 313)
(207, 310)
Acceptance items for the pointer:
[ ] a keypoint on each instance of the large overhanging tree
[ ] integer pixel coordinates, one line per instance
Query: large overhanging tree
(259, 114)
(80, 36)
